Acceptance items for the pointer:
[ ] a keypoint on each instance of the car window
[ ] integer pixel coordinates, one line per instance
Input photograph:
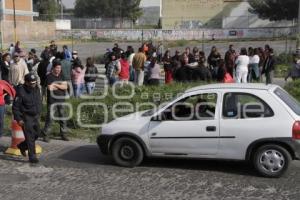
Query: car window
(243, 106)
(288, 100)
(196, 107)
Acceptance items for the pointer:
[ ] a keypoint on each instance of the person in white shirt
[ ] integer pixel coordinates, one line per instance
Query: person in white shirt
(130, 53)
(242, 63)
(18, 70)
(254, 66)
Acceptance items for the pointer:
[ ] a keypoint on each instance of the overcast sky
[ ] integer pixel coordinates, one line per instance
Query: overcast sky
(144, 3)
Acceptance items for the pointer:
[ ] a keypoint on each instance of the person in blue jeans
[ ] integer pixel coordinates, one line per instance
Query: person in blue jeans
(90, 75)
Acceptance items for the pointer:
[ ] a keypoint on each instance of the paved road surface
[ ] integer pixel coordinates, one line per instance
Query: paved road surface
(77, 170)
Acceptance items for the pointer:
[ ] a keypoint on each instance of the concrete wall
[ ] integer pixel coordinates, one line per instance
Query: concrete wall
(22, 7)
(20, 4)
(28, 31)
(237, 15)
(191, 14)
(176, 34)
(197, 14)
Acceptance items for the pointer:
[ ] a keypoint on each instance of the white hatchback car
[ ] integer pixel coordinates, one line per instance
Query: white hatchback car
(252, 122)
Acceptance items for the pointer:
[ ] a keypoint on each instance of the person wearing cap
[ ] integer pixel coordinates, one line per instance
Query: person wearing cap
(18, 70)
(67, 53)
(53, 47)
(76, 61)
(117, 50)
(27, 109)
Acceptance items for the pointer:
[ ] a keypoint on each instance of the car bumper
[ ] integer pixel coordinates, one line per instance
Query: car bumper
(103, 143)
(296, 147)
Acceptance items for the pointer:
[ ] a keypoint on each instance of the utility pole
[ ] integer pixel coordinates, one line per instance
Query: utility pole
(61, 10)
(298, 31)
(15, 22)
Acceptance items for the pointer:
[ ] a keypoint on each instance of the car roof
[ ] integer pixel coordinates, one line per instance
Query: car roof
(240, 86)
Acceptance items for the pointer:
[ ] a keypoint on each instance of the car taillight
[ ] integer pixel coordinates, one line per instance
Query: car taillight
(296, 130)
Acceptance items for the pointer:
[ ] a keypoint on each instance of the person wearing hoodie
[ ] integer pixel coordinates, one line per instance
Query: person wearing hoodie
(78, 73)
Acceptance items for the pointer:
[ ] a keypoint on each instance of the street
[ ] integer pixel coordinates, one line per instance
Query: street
(77, 170)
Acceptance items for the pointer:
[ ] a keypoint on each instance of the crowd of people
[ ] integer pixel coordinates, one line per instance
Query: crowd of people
(143, 67)
(56, 73)
(34, 77)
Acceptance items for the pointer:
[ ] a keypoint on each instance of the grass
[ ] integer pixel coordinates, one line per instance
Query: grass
(95, 114)
(145, 94)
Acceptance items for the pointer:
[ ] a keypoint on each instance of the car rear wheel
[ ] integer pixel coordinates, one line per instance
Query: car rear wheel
(271, 160)
(127, 152)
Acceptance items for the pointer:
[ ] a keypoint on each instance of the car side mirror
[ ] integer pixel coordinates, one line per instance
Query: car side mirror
(158, 118)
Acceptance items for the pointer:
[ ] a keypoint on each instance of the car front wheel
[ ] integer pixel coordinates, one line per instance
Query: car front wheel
(271, 160)
(127, 152)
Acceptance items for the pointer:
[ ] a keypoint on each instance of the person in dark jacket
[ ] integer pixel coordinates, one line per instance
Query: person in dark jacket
(27, 110)
(213, 61)
(269, 67)
(5, 65)
(90, 75)
(42, 73)
(202, 72)
(181, 73)
(53, 47)
(56, 94)
(230, 60)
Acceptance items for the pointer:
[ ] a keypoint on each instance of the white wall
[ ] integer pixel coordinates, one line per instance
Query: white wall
(240, 17)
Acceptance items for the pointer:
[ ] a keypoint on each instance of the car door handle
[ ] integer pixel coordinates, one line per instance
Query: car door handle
(211, 128)
(153, 134)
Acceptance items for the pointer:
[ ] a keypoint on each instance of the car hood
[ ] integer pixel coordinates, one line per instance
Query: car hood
(132, 123)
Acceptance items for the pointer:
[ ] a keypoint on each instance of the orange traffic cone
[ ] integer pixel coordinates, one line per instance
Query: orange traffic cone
(16, 138)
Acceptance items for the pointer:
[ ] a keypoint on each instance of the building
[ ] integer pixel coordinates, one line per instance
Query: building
(23, 9)
(195, 14)
(25, 29)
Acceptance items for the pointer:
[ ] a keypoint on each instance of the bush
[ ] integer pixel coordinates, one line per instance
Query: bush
(283, 63)
(293, 89)
(178, 43)
(284, 58)
(142, 95)
(281, 70)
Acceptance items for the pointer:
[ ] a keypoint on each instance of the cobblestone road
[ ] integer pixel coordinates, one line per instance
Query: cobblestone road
(77, 170)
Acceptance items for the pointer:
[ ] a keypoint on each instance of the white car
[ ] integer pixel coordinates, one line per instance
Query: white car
(252, 122)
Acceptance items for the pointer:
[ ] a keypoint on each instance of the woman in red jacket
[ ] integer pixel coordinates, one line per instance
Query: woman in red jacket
(167, 61)
(124, 73)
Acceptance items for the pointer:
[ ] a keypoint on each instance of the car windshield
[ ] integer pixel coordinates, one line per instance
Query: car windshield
(152, 111)
(288, 100)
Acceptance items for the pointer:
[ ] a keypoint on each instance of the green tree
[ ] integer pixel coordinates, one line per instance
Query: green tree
(275, 10)
(47, 9)
(128, 9)
(89, 9)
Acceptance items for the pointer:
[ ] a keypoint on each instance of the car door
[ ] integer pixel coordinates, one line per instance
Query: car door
(189, 126)
(247, 116)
